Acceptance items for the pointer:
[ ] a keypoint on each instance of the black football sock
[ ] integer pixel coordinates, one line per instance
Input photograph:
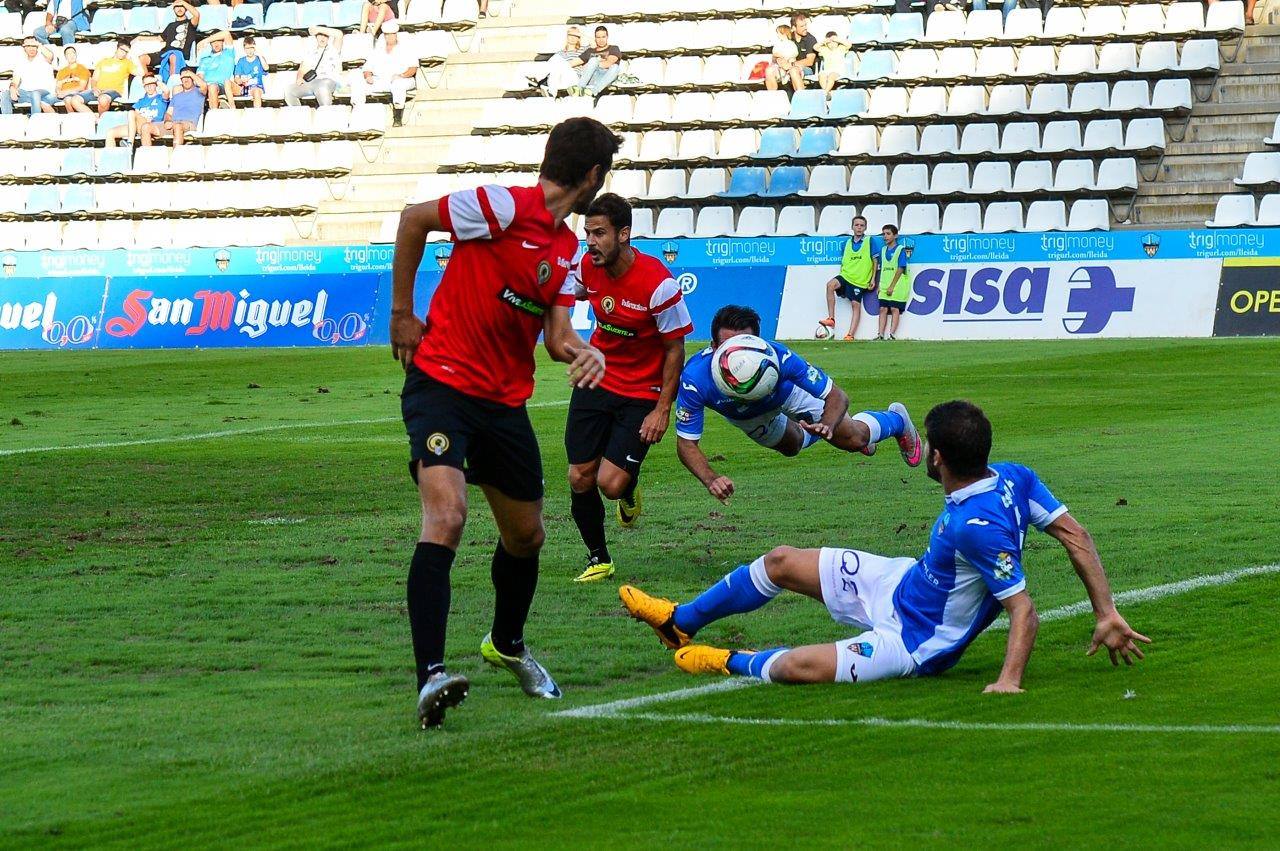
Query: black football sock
(588, 513)
(428, 594)
(514, 581)
(630, 493)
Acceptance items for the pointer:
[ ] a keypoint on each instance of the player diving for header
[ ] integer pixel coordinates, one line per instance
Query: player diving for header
(917, 616)
(804, 407)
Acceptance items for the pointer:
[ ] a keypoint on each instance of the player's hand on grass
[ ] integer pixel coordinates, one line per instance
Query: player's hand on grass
(1114, 633)
(1001, 687)
(587, 367)
(721, 487)
(819, 429)
(654, 426)
(406, 334)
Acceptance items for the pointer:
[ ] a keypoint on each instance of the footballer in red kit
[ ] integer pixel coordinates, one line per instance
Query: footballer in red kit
(469, 371)
(641, 323)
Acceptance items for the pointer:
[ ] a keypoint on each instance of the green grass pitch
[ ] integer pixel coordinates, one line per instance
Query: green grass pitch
(203, 641)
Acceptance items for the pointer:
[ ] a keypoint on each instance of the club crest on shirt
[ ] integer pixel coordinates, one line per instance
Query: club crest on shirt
(862, 648)
(813, 375)
(607, 303)
(544, 272)
(1004, 566)
(437, 443)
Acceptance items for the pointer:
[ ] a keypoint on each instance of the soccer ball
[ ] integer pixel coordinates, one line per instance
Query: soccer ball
(822, 332)
(745, 368)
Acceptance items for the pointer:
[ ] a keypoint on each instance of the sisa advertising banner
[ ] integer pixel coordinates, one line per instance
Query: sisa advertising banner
(1008, 301)
(1248, 298)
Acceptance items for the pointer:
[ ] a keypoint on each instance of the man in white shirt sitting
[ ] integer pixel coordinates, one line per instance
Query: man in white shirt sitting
(63, 18)
(32, 81)
(390, 68)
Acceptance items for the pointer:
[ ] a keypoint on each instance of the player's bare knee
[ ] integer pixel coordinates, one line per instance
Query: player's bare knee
(793, 667)
(779, 564)
(787, 449)
(580, 480)
(613, 487)
(524, 541)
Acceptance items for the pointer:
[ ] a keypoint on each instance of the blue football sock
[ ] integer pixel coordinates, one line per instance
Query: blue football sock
(882, 424)
(744, 589)
(746, 664)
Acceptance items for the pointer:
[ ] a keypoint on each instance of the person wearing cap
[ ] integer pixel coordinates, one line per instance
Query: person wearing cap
(389, 68)
(147, 110)
(186, 105)
(216, 65)
(318, 73)
(560, 73)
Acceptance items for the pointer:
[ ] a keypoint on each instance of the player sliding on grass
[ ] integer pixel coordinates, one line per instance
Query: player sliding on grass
(805, 406)
(469, 373)
(641, 323)
(918, 615)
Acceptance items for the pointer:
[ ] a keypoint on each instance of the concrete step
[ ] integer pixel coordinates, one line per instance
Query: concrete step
(1214, 167)
(1226, 129)
(1177, 188)
(1250, 90)
(1191, 211)
(1239, 147)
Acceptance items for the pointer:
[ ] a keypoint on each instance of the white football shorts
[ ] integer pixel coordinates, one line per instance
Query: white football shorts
(857, 589)
(767, 429)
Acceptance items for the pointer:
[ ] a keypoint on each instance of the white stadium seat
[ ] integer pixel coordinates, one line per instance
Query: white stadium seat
(1103, 135)
(962, 218)
(756, 221)
(713, 222)
(920, 218)
(1046, 215)
(1158, 56)
(858, 140)
(1073, 176)
(1060, 136)
(826, 180)
(869, 180)
(1116, 174)
(1077, 60)
(939, 139)
(705, 183)
(979, 139)
(673, 223)
(1118, 58)
(794, 221)
(1007, 99)
(909, 179)
(1144, 133)
(879, 215)
(1200, 55)
(1019, 137)
(836, 220)
(992, 178)
(1033, 176)
(898, 140)
(1002, 217)
(665, 183)
(1184, 19)
(697, 144)
(641, 223)
(949, 179)
(1269, 211)
(1089, 214)
(967, 100)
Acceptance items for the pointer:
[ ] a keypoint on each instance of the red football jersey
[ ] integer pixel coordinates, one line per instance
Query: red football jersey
(634, 315)
(509, 266)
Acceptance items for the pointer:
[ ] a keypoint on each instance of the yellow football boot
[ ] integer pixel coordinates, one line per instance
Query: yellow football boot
(701, 659)
(629, 511)
(656, 612)
(596, 570)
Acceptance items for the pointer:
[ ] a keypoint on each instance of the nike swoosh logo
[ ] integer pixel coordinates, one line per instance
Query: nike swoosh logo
(632, 460)
(528, 244)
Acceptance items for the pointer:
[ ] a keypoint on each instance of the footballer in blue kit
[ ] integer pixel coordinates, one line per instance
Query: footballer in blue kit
(916, 615)
(805, 407)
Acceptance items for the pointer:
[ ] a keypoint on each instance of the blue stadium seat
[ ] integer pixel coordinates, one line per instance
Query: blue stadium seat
(808, 104)
(145, 19)
(77, 161)
(876, 65)
(253, 11)
(281, 16)
(347, 13)
(846, 103)
(777, 142)
(905, 28)
(745, 182)
(78, 198)
(111, 119)
(135, 92)
(865, 28)
(213, 18)
(107, 21)
(817, 142)
(315, 12)
(43, 199)
(112, 161)
(788, 180)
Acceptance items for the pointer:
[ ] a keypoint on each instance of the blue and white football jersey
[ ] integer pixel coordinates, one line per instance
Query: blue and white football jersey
(974, 561)
(698, 390)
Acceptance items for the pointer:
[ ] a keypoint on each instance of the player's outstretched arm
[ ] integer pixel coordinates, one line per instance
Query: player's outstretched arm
(586, 363)
(656, 421)
(692, 457)
(416, 222)
(1023, 625)
(834, 407)
(1111, 631)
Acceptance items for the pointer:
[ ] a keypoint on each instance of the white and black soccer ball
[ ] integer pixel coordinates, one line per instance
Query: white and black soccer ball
(745, 368)
(823, 332)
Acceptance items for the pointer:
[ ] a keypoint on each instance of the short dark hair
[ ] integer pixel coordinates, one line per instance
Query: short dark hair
(601, 29)
(120, 42)
(735, 316)
(891, 228)
(614, 208)
(831, 34)
(798, 17)
(864, 218)
(962, 434)
(575, 146)
(248, 40)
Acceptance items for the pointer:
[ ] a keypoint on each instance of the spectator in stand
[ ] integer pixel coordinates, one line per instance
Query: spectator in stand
(72, 81)
(601, 65)
(1006, 6)
(186, 105)
(318, 74)
(32, 81)
(250, 75)
(180, 37)
(806, 45)
(783, 69)
(832, 52)
(375, 14)
(109, 82)
(390, 68)
(64, 17)
(217, 64)
(894, 282)
(148, 110)
(561, 71)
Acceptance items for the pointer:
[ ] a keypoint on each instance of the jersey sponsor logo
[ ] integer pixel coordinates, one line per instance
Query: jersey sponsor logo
(437, 444)
(544, 272)
(633, 305)
(607, 303)
(684, 415)
(862, 648)
(849, 565)
(519, 302)
(614, 329)
(1004, 566)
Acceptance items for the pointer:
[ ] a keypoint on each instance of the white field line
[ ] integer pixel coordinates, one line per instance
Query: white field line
(619, 708)
(230, 432)
(927, 724)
